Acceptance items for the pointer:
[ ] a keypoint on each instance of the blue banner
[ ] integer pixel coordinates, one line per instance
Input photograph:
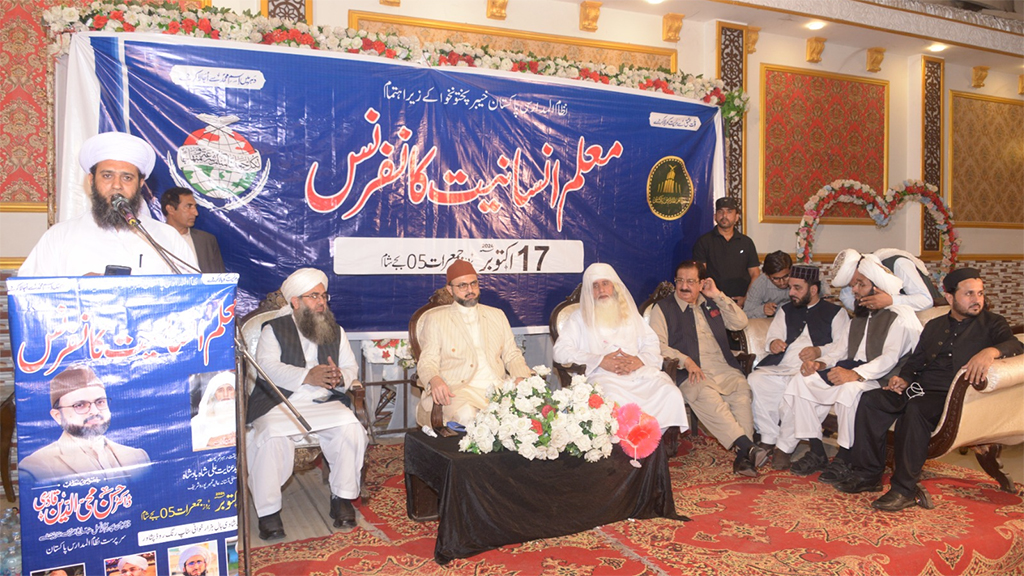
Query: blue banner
(126, 440)
(300, 158)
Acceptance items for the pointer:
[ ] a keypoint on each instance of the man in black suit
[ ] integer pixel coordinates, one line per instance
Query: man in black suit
(969, 337)
(179, 207)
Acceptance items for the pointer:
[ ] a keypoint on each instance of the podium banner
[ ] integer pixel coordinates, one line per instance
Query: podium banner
(124, 387)
(292, 153)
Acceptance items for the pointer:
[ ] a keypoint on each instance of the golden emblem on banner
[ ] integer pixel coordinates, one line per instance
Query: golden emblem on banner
(669, 188)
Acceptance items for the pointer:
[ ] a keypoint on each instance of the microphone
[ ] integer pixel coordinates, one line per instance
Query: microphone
(120, 203)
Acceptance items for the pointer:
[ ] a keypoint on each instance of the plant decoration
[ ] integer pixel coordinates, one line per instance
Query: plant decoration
(389, 351)
(540, 424)
(223, 24)
(639, 432)
(881, 210)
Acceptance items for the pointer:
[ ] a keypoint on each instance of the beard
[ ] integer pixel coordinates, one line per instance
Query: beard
(320, 327)
(967, 312)
(220, 410)
(106, 216)
(859, 309)
(94, 427)
(801, 302)
(607, 313)
(467, 302)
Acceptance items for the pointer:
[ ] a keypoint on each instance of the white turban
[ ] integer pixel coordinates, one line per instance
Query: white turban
(301, 281)
(601, 271)
(871, 267)
(191, 552)
(844, 266)
(118, 146)
(133, 560)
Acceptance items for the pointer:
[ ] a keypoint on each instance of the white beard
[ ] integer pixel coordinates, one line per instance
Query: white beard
(607, 313)
(222, 411)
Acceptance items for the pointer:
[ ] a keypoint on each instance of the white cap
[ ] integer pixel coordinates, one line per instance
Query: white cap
(844, 266)
(301, 281)
(118, 146)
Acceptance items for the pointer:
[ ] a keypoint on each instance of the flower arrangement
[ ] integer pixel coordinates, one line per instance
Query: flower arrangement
(881, 210)
(222, 23)
(389, 351)
(639, 433)
(528, 418)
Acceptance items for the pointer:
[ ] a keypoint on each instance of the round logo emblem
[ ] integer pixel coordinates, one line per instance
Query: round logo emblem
(669, 188)
(219, 162)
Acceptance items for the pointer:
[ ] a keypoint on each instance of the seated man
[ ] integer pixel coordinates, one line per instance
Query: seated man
(866, 357)
(771, 289)
(620, 351)
(691, 328)
(918, 292)
(801, 332)
(465, 349)
(969, 337)
(307, 355)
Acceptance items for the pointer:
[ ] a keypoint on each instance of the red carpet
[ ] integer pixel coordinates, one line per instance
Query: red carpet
(778, 524)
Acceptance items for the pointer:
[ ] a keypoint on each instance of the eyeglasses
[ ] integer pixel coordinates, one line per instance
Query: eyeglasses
(318, 296)
(779, 278)
(687, 281)
(195, 562)
(83, 406)
(465, 285)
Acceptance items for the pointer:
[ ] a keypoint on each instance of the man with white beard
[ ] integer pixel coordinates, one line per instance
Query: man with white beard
(213, 426)
(620, 351)
(308, 356)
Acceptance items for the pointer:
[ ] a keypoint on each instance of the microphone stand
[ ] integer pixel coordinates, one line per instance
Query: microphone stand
(120, 203)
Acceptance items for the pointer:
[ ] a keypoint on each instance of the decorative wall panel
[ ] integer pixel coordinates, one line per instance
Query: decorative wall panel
(732, 58)
(931, 143)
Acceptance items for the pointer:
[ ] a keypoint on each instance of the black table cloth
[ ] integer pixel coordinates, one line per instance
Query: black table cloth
(484, 501)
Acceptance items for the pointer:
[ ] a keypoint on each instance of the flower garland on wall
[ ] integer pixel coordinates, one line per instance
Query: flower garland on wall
(223, 24)
(880, 209)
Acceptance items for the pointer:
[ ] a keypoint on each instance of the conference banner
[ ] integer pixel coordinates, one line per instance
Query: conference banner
(381, 172)
(126, 439)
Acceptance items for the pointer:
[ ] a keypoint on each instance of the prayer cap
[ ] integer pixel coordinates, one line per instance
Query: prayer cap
(133, 560)
(726, 202)
(871, 267)
(118, 146)
(191, 552)
(805, 272)
(459, 268)
(73, 378)
(845, 265)
(954, 278)
(301, 281)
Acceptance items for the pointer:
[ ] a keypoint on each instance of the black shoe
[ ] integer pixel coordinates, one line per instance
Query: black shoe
(893, 501)
(343, 513)
(837, 471)
(743, 466)
(767, 446)
(808, 464)
(923, 498)
(780, 459)
(758, 456)
(855, 485)
(271, 527)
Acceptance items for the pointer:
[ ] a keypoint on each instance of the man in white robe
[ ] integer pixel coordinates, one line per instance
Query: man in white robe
(620, 351)
(308, 356)
(116, 165)
(801, 332)
(213, 426)
(918, 291)
(867, 355)
(467, 347)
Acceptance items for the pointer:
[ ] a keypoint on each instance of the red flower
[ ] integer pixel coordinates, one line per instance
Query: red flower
(537, 426)
(294, 34)
(379, 47)
(117, 15)
(595, 401)
(306, 40)
(128, 27)
(367, 44)
(173, 27)
(204, 25)
(99, 22)
(353, 51)
(715, 313)
(534, 66)
(515, 66)
(389, 53)
(468, 59)
(188, 25)
(547, 409)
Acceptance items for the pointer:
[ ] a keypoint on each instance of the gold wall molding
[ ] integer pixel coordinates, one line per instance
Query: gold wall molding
(590, 11)
(11, 263)
(1020, 84)
(496, 9)
(815, 46)
(24, 207)
(543, 45)
(875, 57)
(986, 160)
(391, 2)
(978, 76)
(753, 34)
(671, 24)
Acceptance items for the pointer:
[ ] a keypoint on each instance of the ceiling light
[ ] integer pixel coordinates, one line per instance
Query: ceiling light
(655, 1)
(937, 47)
(816, 25)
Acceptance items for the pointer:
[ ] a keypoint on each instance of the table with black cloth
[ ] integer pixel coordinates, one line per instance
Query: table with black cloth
(484, 501)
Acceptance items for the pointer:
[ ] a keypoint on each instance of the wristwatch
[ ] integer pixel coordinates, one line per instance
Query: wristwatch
(859, 377)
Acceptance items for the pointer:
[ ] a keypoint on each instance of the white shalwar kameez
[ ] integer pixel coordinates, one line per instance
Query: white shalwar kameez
(271, 442)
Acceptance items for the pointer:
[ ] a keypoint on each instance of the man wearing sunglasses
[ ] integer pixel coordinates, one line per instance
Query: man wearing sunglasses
(79, 405)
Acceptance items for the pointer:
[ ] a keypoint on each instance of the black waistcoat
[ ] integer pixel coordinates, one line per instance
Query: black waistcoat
(817, 319)
(682, 332)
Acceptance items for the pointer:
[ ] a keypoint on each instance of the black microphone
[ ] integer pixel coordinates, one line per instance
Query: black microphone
(120, 203)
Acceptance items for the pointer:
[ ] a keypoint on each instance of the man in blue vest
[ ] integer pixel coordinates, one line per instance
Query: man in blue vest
(691, 328)
(801, 332)
(969, 338)
(308, 356)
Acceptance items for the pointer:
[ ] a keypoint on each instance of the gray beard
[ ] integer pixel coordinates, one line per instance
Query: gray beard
(320, 328)
(467, 302)
(106, 216)
(84, 431)
(607, 313)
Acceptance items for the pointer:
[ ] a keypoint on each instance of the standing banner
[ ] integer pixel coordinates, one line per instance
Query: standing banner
(384, 172)
(126, 440)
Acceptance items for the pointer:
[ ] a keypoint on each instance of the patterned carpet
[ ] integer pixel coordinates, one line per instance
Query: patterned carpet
(777, 524)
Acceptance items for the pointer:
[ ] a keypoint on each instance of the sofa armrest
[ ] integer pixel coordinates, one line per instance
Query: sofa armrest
(1004, 373)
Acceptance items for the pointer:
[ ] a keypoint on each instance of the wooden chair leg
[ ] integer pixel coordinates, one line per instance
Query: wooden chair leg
(988, 457)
